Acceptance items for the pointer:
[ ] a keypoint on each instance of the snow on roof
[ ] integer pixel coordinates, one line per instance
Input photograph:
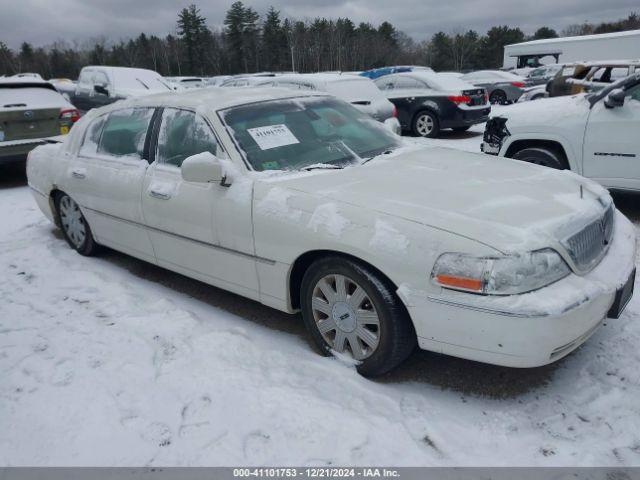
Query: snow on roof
(18, 82)
(323, 77)
(550, 41)
(213, 98)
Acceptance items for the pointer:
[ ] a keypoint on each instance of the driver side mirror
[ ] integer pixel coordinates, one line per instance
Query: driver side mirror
(203, 168)
(101, 89)
(615, 98)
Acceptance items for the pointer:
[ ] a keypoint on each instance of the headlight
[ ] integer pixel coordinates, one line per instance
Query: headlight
(505, 275)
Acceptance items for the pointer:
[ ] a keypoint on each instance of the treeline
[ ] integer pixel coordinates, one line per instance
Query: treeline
(250, 43)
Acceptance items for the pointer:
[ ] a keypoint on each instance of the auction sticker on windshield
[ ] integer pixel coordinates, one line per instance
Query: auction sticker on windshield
(272, 136)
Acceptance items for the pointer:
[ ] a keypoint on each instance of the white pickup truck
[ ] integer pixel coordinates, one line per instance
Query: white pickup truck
(595, 135)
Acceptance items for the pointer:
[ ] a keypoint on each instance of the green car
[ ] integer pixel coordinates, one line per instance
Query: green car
(32, 112)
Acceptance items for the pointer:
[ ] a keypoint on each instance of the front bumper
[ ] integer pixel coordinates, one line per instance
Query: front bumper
(490, 148)
(527, 330)
(464, 118)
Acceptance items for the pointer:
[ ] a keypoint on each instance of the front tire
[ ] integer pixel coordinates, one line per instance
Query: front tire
(541, 156)
(426, 124)
(349, 308)
(75, 227)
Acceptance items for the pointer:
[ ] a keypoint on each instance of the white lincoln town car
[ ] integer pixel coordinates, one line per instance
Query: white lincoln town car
(303, 203)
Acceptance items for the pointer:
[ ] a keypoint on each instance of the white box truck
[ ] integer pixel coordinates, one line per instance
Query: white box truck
(605, 46)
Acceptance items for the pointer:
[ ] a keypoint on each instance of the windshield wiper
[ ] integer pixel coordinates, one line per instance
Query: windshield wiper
(322, 166)
(386, 152)
(143, 84)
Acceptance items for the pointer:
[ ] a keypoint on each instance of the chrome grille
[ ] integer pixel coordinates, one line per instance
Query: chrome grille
(589, 245)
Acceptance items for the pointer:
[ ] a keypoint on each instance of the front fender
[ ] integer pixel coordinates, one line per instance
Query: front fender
(572, 151)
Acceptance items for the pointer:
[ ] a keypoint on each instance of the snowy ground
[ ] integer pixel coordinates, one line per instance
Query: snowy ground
(111, 361)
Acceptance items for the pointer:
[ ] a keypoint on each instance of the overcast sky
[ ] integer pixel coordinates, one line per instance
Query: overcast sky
(43, 21)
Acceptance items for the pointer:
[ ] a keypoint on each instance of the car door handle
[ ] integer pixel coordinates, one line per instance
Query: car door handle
(160, 195)
(79, 173)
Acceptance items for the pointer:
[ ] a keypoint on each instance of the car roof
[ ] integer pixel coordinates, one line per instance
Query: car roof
(318, 78)
(212, 98)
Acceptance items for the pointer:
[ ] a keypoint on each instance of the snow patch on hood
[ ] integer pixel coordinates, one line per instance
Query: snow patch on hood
(388, 239)
(328, 218)
(275, 204)
(546, 111)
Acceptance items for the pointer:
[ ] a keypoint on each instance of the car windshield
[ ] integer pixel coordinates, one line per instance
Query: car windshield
(293, 134)
(137, 79)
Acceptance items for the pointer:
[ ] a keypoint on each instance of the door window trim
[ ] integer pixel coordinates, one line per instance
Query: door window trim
(112, 158)
(153, 140)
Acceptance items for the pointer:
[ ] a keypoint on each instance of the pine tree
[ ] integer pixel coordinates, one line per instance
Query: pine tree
(192, 29)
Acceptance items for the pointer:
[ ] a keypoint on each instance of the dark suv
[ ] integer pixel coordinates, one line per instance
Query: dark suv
(428, 102)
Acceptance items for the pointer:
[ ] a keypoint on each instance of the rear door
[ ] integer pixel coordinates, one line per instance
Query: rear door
(107, 175)
(612, 143)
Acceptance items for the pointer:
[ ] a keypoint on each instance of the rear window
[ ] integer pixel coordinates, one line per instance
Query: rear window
(354, 90)
(442, 82)
(29, 97)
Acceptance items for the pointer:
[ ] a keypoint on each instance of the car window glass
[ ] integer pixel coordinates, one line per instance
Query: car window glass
(385, 84)
(291, 134)
(619, 72)
(85, 78)
(124, 132)
(183, 134)
(634, 93)
(407, 83)
(100, 78)
(92, 137)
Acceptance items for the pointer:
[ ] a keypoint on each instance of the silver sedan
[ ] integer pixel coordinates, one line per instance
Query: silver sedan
(502, 87)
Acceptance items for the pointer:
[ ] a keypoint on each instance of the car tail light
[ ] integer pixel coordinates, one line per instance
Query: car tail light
(517, 84)
(486, 96)
(459, 99)
(394, 112)
(70, 114)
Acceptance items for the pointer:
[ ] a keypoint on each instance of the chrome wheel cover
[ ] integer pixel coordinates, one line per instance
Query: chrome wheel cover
(72, 221)
(345, 316)
(425, 124)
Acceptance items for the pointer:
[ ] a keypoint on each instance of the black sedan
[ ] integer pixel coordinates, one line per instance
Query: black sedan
(428, 102)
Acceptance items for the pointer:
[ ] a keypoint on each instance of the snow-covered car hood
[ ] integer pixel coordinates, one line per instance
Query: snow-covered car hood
(546, 111)
(506, 204)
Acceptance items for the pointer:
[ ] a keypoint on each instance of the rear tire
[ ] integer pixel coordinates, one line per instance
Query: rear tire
(426, 124)
(498, 97)
(546, 157)
(350, 308)
(74, 226)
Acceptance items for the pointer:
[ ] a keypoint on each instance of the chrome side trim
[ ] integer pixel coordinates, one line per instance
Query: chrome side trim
(505, 313)
(34, 189)
(485, 309)
(268, 261)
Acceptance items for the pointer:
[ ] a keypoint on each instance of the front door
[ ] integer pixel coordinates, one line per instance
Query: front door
(190, 223)
(612, 143)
